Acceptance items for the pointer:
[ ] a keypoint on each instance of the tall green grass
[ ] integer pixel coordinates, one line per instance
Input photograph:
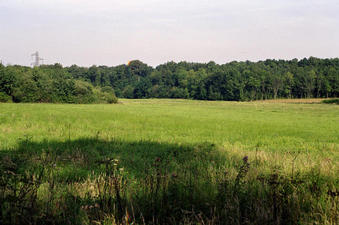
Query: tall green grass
(169, 162)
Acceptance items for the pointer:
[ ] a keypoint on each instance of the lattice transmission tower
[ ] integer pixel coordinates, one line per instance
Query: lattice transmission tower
(37, 59)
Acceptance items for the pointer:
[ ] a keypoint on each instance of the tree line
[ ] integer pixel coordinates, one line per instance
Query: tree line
(49, 83)
(234, 81)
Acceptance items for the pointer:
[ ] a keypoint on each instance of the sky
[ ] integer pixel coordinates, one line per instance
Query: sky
(112, 32)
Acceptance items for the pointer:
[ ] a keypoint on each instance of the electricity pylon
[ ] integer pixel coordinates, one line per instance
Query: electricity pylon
(37, 59)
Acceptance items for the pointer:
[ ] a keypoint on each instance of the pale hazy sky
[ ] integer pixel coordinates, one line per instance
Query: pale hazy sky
(111, 32)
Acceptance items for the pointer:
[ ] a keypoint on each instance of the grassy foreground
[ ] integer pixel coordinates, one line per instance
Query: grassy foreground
(169, 162)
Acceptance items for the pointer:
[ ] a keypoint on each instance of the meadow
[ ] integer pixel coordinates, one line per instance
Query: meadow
(161, 161)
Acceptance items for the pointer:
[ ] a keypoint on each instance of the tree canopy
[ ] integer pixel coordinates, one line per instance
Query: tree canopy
(49, 83)
(235, 81)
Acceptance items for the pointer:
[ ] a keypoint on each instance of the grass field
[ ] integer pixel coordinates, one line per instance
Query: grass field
(170, 162)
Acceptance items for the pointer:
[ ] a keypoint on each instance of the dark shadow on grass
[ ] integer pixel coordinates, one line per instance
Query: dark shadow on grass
(155, 181)
(77, 159)
(145, 182)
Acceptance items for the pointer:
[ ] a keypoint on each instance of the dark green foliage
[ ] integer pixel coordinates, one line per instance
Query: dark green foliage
(331, 101)
(4, 97)
(235, 81)
(49, 83)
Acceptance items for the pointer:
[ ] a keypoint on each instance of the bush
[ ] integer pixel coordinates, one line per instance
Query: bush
(109, 95)
(112, 99)
(331, 101)
(5, 98)
(107, 89)
(105, 97)
(83, 88)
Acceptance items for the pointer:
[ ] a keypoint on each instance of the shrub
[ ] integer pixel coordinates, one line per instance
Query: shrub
(111, 99)
(109, 95)
(331, 101)
(105, 97)
(5, 98)
(107, 89)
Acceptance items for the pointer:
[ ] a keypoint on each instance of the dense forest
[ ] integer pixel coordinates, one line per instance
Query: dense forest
(235, 81)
